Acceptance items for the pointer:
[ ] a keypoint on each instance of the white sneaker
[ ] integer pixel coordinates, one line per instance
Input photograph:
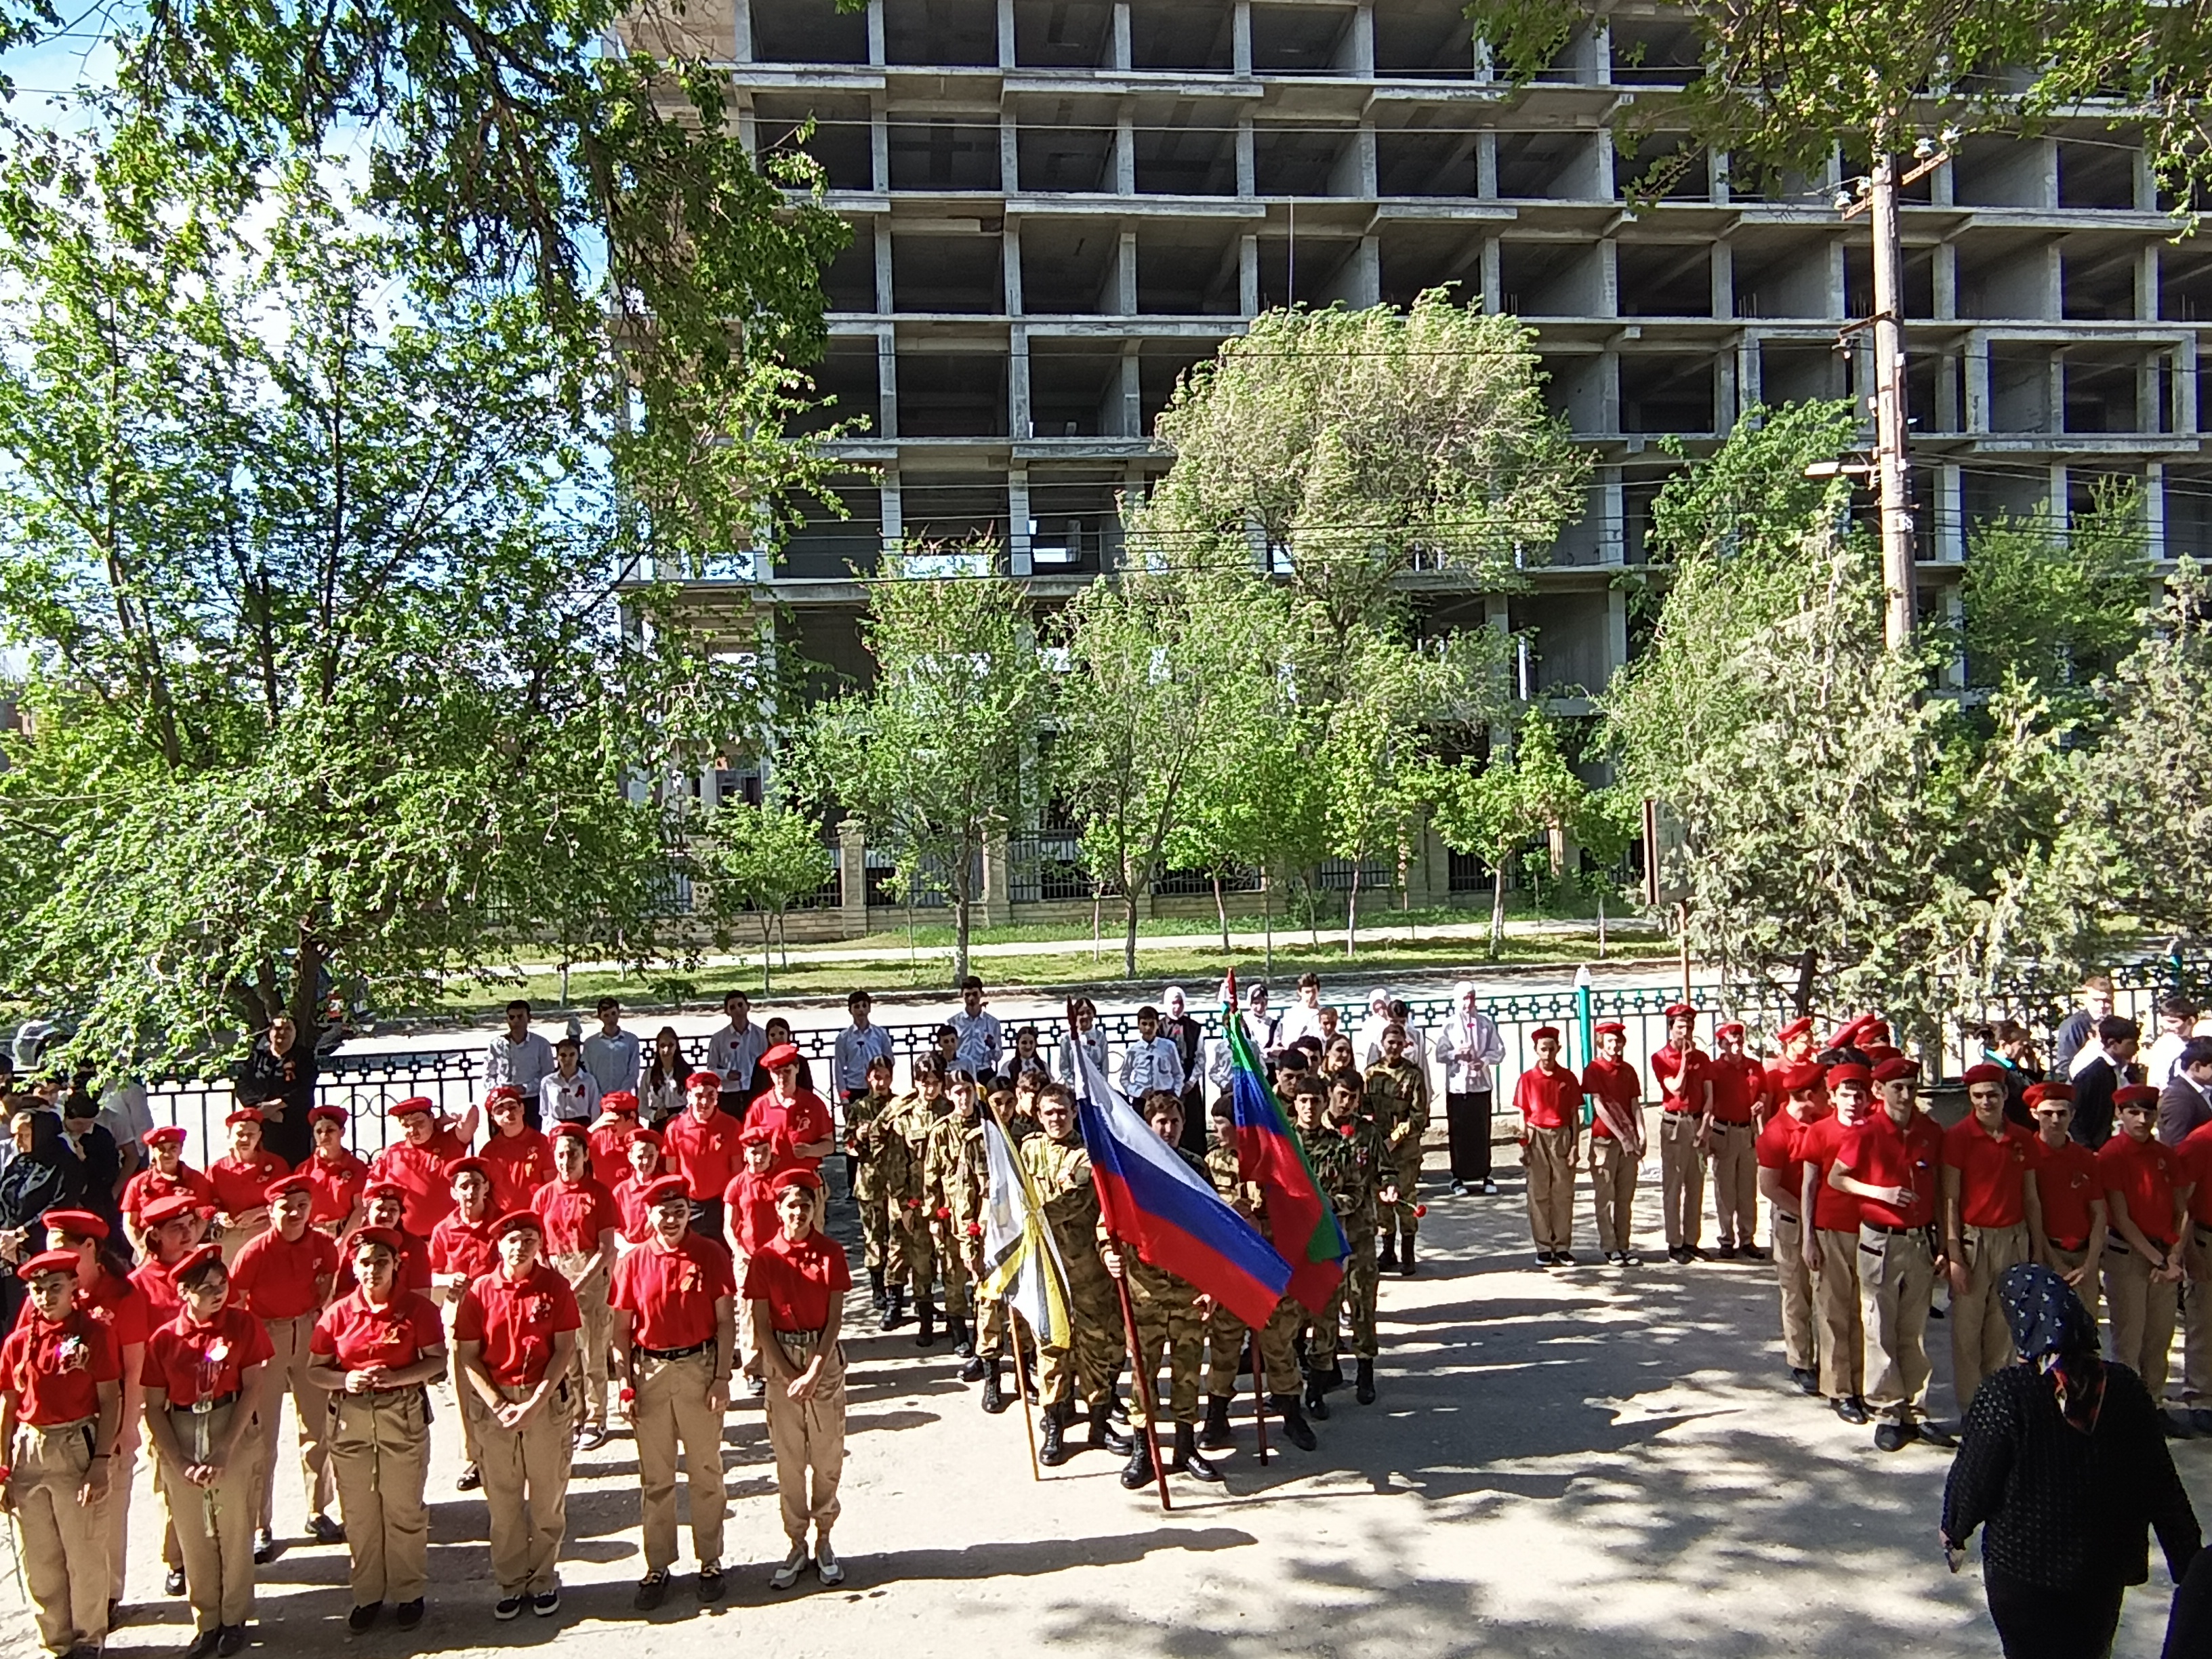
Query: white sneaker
(787, 1574)
(826, 1565)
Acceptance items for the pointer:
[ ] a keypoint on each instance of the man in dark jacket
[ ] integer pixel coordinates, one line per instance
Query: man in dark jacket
(279, 1077)
(2095, 1083)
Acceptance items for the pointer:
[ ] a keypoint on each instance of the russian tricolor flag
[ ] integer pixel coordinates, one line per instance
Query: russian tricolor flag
(1158, 1206)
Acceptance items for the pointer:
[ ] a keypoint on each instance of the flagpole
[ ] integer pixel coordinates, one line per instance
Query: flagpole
(1259, 1398)
(1140, 1373)
(1022, 1388)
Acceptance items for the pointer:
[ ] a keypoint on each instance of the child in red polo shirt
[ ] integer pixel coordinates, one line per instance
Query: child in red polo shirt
(2145, 1188)
(1615, 1094)
(795, 1285)
(1550, 1101)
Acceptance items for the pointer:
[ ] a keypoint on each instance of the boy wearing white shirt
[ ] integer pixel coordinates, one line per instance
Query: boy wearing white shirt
(856, 1046)
(1304, 1018)
(610, 1053)
(1152, 1061)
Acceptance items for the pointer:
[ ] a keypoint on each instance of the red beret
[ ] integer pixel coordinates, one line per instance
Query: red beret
(78, 1223)
(783, 1055)
(1798, 1078)
(383, 1189)
(1794, 1030)
(284, 1184)
(499, 1091)
(461, 1166)
(1983, 1072)
(1731, 1027)
(1877, 1029)
(1851, 1072)
(801, 1176)
(171, 1133)
(650, 1137)
(757, 1134)
(171, 1208)
(1878, 1052)
(2038, 1094)
(1847, 1034)
(1896, 1068)
(703, 1082)
(385, 1235)
(333, 1113)
(1610, 1028)
(422, 1103)
(621, 1100)
(2136, 1094)
(244, 1115)
(1680, 1011)
(194, 1260)
(570, 1130)
(1543, 1031)
(53, 1261)
(668, 1187)
(517, 1219)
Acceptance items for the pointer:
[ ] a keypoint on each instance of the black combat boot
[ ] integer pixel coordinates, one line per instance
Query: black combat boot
(994, 1398)
(1104, 1433)
(1138, 1471)
(1215, 1435)
(926, 1312)
(895, 1308)
(1316, 1397)
(956, 1326)
(1186, 1459)
(1333, 1378)
(1286, 1407)
(1405, 1258)
(1054, 1450)
(876, 1287)
(1363, 1388)
(1388, 1256)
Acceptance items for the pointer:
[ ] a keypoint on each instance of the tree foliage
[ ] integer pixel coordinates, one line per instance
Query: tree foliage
(1493, 809)
(753, 864)
(2056, 606)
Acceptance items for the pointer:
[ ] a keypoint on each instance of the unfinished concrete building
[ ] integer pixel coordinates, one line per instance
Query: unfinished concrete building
(1059, 205)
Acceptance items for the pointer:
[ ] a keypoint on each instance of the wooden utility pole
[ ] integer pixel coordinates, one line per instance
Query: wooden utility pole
(1891, 481)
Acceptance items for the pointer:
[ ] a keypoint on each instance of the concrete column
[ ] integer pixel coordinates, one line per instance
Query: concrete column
(880, 146)
(1021, 422)
(887, 381)
(1724, 393)
(1493, 299)
(1945, 273)
(2184, 385)
(1125, 276)
(1486, 164)
(1011, 258)
(1977, 366)
(1240, 39)
(885, 303)
(1006, 35)
(1133, 398)
(1950, 504)
(2150, 414)
(1121, 58)
(1616, 629)
(1359, 50)
(2154, 509)
(852, 879)
(1009, 154)
(2147, 285)
(745, 40)
(1716, 174)
(1612, 508)
(1723, 279)
(1247, 168)
(1248, 275)
(1125, 154)
(894, 516)
(877, 55)
(1017, 520)
(2058, 509)
(998, 899)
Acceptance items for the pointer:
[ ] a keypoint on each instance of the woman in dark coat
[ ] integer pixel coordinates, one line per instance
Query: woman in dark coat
(45, 1174)
(2064, 1466)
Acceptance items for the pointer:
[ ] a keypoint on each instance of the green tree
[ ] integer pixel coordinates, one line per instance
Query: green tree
(757, 862)
(315, 587)
(2057, 608)
(1491, 811)
(931, 755)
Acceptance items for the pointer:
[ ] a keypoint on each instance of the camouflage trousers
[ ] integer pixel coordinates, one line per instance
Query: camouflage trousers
(1355, 1296)
(923, 1254)
(1095, 1348)
(1175, 1325)
(1278, 1364)
(876, 1231)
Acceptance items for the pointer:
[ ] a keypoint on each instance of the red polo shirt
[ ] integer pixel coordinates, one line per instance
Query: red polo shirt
(148, 1185)
(629, 1204)
(2066, 1182)
(1882, 1154)
(1992, 1171)
(1616, 1081)
(803, 1122)
(574, 1214)
(2195, 1154)
(237, 1182)
(797, 1279)
(1817, 1143)
(669, 1294)
(705, 1154)
(421, 1171)
(607, 1150)
(1777, 1150)
(1739, 1084)
(274, 1278)
(118, 1303)
(54, 1367)
(194, 1362)
(516, 1320)
(1679, 1073)
(749, 1206)
(519, 1165)
(464, 1247)
(2144, 1174)
(354, 1336)
(1549, 1100)
(152, 1280)
(337, 1182)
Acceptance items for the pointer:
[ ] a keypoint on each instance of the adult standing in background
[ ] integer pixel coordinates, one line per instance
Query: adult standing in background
(610, 1053)
(2177, 1024)
(2184, 1103)
(2098, 1080)
(1187, 1033)
(520, 1057)
(279, 1077)
(2064, 1466)
(44, 1174)
(1303, 1018)
(734, 1050)
(1469, 1047)
(661, 1086)
(2074, 1043)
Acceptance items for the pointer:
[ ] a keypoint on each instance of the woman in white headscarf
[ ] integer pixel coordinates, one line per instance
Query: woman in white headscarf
(1367, 1041)
(1467, 1047)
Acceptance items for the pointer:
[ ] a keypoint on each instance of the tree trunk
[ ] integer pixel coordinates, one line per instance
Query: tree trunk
(1351, 914)
(1221, 912)
(1807, 968)
(960, 918)
(305, 1004)
(1098, 904)
(767, 942)
(1129, 933)
(1267, 909)
(1313, 907)
(1601, 925)
(1496, 909)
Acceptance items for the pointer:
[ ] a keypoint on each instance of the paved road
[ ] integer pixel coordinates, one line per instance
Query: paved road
(1560, 1464)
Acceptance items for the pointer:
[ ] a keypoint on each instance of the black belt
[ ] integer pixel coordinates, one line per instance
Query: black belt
(674, 1353)
(201, 1407)
(1882, 1227)
(2114, 1241)
(1683, 1111)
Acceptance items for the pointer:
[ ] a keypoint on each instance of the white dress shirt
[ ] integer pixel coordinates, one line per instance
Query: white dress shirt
(981, 1042)
(734, 1053)
(611, 1061)
(525, 1064)
(1149, 1066)
(1467, 1045)
(848, 1059)
(569, 1099)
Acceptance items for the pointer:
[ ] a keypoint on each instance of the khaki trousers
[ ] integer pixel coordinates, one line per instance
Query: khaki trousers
(215, 1524)
(525, 1487)
(1735, 1182)
(380, 1457)
(1981, 1342)
(2197, 1325)
(449, 1310)
(1836, 1310)
(65, 1545)
(2142, 1316)
(2089, 1290)
(595, 1339)
(1550, 1156)
(1795, 1282)
(1613, 1192)
(235, 1239)
(1681, 1179)
(115, 1514)
(1896, 1285)
(670, 1409)
(288, 1374)
(808, 1438)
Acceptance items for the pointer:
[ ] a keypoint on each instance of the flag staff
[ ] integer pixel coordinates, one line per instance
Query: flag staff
(1014, 1321)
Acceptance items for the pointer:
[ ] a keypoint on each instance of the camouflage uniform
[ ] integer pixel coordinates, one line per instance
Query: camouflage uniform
(1165, 1309)
(1352, 1169)
(1061, 1172)
(1225, 1332)
(879, 1160)
(1399, 1096)
(954, 1177)
(913, 1121)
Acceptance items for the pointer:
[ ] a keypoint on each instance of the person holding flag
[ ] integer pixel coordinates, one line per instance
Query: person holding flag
(1059, 1166)
(1274, 1361)
(1023, 1283)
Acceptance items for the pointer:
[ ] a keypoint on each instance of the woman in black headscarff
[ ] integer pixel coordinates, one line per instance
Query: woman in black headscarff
(44, 1174)
(2064, 1464)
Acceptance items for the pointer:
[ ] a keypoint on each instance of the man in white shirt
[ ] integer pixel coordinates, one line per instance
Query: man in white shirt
(1303, 1016)
(522, 1058)
(1467, 1045)
(570, 1094)
(735, 1050)
(1152, 1061)
(2075, 1046)
(981, 1042)
(2177, 1018)
(610, 1053)
(857, 1045)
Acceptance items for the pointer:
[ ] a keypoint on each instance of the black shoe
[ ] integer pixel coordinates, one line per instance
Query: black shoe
(1630, 1259)
(1943, 1439)
(1405, 1258)
(265, 1547)
(1389, 1256)
(407, 1614)
(651, 1591)
(507, 1608)
(1286, 1407)
(1893, 1436)
(876, 1295)
(324, 1531)
(974, 1370)
(1808, 1382)
(710, 1584)
(1677, 1254)
(173, 1582)
(114, 1615)
(1316, 1399)
(1187, 1459)
(1563, 1259)
(1104, 1435)
(1214, 1434)
(994, 1397)
(2199, 1420)
(1691, 1253)
(1138, 1471)
(756, 1387)
(1459, 1189)
(1751, 1253)
(1363, 1388)
(1726, 1252)
(230, 1640)
(926, 1312)
(894, 1308)
(362, 1617)
(1937, 1313)
(1852, 1409)
(1054, 1452)
(546, 1603)
(203, 1646)
(472, 1478)
(964, 1344)
(2176, 1424)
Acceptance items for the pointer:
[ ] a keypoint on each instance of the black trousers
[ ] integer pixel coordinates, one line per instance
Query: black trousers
(2034, 1621)
(1466, 1118)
